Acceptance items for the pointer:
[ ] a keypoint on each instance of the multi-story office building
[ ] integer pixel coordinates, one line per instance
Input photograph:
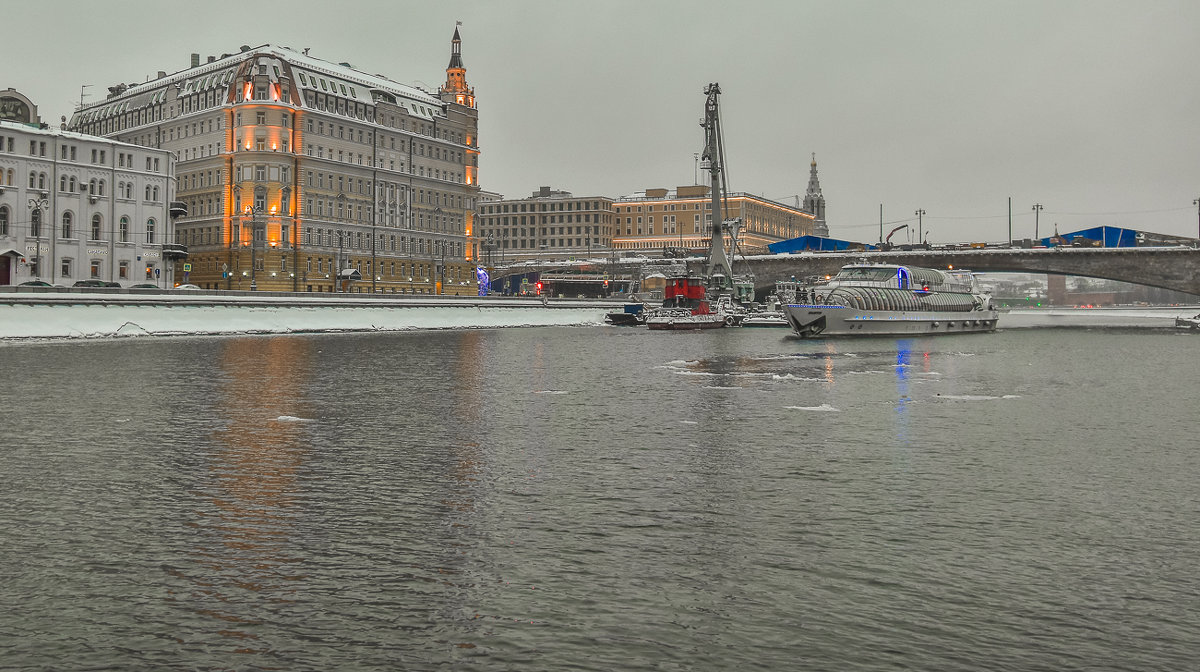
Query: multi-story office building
(77, 207)
(550, 225)
(304, 175)
(679, 221)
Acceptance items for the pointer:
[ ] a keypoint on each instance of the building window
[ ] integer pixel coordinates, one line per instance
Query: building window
(95, 227)
(66, 268)
(95, 268)
(150, 230)
(3, 220)
(124, 229)
(123, 270)
(66, 225)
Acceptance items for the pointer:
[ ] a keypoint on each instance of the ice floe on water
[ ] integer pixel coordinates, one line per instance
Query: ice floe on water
(292, 418)
(550, 392)
(821, 408)
(792, 376)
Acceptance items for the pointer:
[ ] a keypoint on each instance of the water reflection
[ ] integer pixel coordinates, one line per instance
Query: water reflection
(249, 503)
(903, 398)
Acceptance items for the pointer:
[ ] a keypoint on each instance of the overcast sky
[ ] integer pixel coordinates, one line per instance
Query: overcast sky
(1087, 107)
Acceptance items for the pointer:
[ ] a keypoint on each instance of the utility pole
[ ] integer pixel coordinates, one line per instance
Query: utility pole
(920, 213)
(1037, 210)
(1009, 222)
(1196, 202)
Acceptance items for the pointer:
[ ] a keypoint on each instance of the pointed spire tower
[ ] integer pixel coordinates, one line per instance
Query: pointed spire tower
(459, 105)
(814, 201)
(455, 90)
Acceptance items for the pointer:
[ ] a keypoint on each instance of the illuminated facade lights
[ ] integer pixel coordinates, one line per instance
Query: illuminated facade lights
(347, 171)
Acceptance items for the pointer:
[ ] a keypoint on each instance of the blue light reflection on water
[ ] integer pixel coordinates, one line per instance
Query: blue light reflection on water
(903, 361)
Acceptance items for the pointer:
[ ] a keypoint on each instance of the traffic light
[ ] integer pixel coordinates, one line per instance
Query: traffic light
(539, 287)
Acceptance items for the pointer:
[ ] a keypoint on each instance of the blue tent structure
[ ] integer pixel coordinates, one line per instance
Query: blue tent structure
(816, 244)
(1107, 236)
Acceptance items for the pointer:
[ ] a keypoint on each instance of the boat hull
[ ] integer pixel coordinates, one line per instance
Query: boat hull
(814, 321)
(689, 322)
(768, 319)
(625, 319)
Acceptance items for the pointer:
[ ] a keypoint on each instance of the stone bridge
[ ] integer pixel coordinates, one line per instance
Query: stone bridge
(1176, 268)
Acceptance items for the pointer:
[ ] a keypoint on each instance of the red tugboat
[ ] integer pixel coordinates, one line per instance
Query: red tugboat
(708, 301)
(686, 306)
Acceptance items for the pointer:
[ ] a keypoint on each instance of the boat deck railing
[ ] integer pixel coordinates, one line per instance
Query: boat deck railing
(891, 284)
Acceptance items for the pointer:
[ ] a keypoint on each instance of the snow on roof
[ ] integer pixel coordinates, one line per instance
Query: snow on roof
(72, 135)
(313, 73)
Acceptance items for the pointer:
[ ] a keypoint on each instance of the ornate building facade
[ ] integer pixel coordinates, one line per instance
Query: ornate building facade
(304, 175)
(76, 207)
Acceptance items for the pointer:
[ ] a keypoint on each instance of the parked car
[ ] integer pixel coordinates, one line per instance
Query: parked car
(187, 285)
(144, 285)
(35, 283)
(89, 283)
(112, 284)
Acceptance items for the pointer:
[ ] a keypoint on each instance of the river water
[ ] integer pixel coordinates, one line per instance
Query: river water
(601, 499)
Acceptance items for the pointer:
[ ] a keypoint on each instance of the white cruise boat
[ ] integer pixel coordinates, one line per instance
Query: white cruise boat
(892, 300)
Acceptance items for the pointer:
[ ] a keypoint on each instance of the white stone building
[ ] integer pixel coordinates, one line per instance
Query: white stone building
(77, 207)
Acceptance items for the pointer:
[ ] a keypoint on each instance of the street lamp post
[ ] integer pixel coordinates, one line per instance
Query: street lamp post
(254, 211)
(442, 271)
(337, 277)
(1037, 211)
(920, 213)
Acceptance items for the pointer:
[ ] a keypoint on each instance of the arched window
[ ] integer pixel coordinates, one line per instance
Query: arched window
(95, 227)
(32, 180)
(147, 192)
(71, 184)
(124, 230)
(92, 187)
(156, 194)
(66, 224)
(62, 183)
(150, 230)
(101, 187)
(10, 177)
(41, 181)
(3, 220)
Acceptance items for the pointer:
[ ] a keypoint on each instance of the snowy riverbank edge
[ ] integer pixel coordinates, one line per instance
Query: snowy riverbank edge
(1142, 317)
(90, 317)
